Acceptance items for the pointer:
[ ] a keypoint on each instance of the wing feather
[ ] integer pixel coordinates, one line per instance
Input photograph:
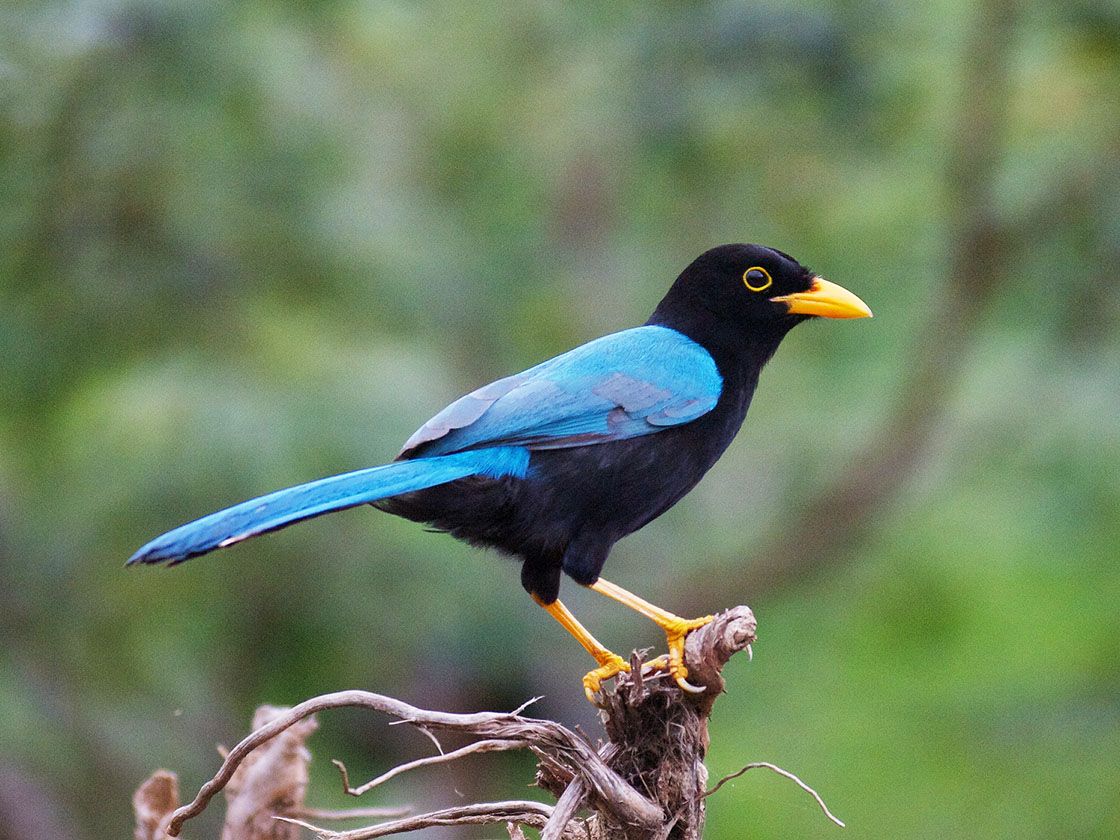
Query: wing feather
(631, 383)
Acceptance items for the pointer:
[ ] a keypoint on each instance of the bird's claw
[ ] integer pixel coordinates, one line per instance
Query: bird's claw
(673, 663)
(610, 665)
(658, 663)
(661, 663)
(676, 630)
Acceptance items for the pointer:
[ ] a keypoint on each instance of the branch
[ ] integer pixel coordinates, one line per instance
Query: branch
(646, 781)
(561, 745)
(493, 745)
(565, 811)
(754, 765)
(525, 812)
(346, 813)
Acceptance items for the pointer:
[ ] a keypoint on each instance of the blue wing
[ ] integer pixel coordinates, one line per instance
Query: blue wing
(619, 386)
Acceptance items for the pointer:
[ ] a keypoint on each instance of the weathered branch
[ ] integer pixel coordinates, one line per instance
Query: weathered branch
(492, 745)
(755, 765)
(561, 745)
(647, 781)
(524, 812)
(345, 813)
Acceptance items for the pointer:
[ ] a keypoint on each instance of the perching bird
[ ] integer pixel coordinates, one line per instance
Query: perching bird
(554, 465)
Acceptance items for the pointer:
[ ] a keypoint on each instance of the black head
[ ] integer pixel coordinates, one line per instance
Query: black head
(736, 296)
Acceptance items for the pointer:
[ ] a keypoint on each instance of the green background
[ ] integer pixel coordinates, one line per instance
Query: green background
(243, 245)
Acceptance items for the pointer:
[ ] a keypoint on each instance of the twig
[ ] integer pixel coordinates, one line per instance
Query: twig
(576, 791)
(525, 812)
(564, 810)
(348, 813)
(766, 764)
(646, 782)
(615, 794)
(491, 745)
(431, 735)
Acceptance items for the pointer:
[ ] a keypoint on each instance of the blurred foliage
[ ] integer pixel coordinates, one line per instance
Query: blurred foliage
(244, 245)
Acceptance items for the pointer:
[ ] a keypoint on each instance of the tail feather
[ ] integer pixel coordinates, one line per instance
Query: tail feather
(338, 492)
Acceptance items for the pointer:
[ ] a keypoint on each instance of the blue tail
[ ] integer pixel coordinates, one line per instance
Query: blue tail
(285, 507)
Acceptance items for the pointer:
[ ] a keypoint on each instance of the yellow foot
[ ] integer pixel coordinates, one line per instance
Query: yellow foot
(675, 632)
(675, 627)
(610, 665)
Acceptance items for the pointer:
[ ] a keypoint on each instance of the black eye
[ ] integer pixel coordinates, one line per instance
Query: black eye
(756, 278)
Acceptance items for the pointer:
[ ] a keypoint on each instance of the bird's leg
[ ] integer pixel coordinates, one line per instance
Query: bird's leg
(610, 663)
(675, 627)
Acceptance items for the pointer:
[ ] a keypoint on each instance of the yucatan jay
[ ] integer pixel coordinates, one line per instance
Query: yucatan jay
(557, 463)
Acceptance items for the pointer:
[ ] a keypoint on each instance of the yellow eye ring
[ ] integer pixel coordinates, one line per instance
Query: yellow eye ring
(756, 278)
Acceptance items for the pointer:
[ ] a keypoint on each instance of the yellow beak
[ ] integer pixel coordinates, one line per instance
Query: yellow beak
(826, 300)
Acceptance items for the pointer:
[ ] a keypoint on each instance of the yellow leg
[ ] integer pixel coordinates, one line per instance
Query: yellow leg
(610, 663)
(675, 627)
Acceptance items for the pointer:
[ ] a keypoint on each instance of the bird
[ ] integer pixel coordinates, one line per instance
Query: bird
(556, 464)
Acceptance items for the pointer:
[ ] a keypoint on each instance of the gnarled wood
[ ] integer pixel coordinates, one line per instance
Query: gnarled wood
(646, 781)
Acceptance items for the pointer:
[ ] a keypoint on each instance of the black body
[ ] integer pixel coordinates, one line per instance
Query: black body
(575, 503)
